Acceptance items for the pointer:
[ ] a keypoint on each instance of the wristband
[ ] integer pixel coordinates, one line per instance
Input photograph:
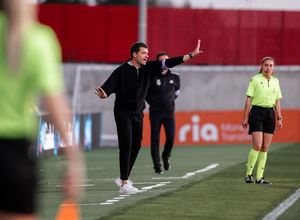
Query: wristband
(190, 54)
(279, 118)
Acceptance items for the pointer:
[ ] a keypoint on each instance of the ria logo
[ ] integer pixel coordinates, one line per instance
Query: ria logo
(208, 132)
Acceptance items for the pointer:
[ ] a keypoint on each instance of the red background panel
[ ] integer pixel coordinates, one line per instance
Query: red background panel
(122, 32)
(177, 30)
(229, 37)
(291, 38)
(171, 30)
(53, 15)
(86, 33)
(218, 29)
(260, 35)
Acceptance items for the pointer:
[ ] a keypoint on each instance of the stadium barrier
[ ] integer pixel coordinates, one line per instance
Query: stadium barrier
(203, 89)
(221, 127)
(84, 132)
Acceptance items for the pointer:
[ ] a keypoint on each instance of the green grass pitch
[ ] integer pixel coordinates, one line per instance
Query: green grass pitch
(189, 190)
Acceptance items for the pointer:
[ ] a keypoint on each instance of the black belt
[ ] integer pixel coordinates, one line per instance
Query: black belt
(259, 107)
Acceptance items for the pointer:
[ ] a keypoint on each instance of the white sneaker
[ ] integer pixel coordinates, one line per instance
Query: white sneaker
(126, 188)
(118, 182)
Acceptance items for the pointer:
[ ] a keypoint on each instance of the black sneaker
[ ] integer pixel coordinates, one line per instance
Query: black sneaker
(166, 163)
(249, 179)
(263, 181)
(158, 171)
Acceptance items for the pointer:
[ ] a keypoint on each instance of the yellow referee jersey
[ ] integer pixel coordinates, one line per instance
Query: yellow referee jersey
(40, 73)
(264, 92)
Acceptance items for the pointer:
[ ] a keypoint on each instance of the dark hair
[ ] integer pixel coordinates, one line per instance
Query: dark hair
(262, 62)
(136, 47)
(162, 53)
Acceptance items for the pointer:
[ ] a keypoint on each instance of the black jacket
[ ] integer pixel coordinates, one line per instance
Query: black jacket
(161, 93)
(131, 84)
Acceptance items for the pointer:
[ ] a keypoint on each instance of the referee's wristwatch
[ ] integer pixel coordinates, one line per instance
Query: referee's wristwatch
(279, 118)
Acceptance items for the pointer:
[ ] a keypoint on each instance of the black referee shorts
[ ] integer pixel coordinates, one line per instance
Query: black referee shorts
(17, 177)
(262, 119)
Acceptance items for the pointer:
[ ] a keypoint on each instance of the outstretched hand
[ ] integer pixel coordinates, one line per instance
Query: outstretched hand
(100, 92)
(197, 51)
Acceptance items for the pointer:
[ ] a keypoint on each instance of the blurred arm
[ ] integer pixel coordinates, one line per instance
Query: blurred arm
(60, 112)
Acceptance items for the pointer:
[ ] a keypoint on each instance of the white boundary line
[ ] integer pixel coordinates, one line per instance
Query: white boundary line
(83, 185)
(187, 175)
(146, 188)
(283, 206)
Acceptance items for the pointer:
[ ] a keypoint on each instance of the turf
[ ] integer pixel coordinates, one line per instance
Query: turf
(219, 193)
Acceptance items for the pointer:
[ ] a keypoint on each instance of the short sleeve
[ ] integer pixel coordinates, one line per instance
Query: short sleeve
(251, 88)
(279, 95)
(46, 62)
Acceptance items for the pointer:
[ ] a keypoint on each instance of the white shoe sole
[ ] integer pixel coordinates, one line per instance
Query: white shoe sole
(128, 191)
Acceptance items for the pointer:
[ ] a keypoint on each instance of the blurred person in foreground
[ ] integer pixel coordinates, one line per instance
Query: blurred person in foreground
(263, 95)
(30, 65)
(130, 83)
(162, 92)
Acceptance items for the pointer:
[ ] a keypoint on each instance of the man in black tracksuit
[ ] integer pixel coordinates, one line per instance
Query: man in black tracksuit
(161, 96)
(130, 83)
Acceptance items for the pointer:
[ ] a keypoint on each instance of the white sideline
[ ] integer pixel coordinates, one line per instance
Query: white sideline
(187, 175)
(117, 199)
(146, 188)
(283, 206)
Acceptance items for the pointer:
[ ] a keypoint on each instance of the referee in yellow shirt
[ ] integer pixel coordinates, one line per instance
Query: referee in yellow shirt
(263, 95)
(30, 66)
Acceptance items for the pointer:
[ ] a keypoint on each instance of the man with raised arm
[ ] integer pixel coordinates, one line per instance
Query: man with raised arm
(130, 83)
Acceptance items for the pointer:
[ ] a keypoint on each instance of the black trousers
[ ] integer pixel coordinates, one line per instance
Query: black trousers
(17, 177)
(130, 135)
(156, 121)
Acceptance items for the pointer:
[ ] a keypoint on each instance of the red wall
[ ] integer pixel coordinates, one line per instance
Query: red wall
(229, 37)
(92, 34)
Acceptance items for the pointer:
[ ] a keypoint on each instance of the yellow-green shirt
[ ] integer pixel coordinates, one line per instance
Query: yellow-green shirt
(264, 92)
(40, 73)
